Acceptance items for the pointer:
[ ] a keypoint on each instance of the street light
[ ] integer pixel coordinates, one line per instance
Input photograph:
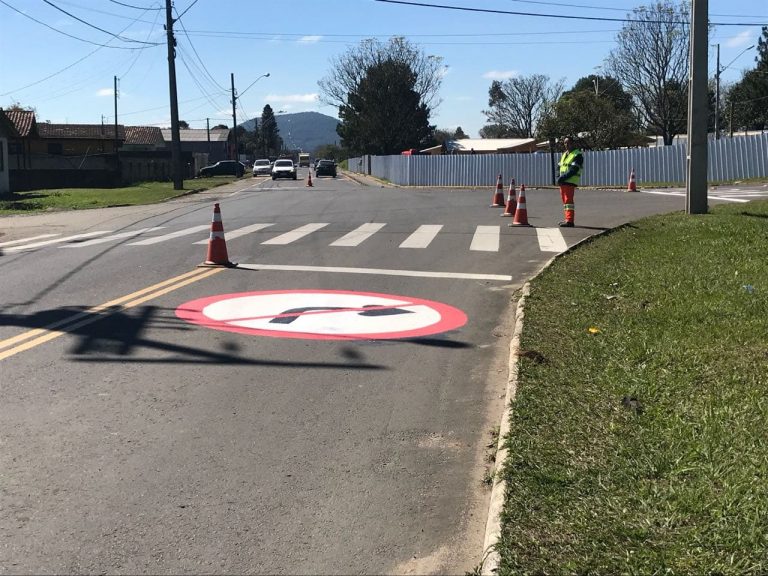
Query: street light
(718, 71)
(234, 104)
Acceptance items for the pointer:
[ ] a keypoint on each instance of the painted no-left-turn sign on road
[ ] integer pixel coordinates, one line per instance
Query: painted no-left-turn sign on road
(323, 315)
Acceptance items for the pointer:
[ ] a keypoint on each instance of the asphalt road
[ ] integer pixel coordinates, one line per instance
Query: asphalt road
(330, 415)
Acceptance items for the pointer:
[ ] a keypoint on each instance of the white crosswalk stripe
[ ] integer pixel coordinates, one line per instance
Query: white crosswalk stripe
(296, 234)
(359, 235)
(486, 239)
(56, 241)
(422, 237)
(240, 232)
(172, 235)
(23, 240)
(551, 240)
(119, 236)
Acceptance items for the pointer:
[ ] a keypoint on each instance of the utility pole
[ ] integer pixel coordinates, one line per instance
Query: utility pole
(234, 114)
(178, 180)
(717, 96)
(208, 132)
(698, 111)
(115, 91)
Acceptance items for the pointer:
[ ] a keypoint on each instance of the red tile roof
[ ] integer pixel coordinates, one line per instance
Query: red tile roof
(81, 131)
(23, 120)
(144, 135)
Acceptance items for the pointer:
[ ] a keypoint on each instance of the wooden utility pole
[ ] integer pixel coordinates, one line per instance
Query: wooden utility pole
(234, 114)
(178, 178)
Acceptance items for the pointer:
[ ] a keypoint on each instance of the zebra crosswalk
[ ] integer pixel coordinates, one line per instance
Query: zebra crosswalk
(484, 238)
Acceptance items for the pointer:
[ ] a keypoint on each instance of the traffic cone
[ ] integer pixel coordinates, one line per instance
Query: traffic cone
(217, 245)
(632, 186)
(309, 179)
(521, 213)
(498, 195)
(511, 206)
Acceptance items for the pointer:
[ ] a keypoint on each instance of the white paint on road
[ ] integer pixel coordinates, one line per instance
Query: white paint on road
(422, 237)
(486, 239)
(551, 240)
(119, 236)
(172, 235)
(296, 234)
(240, 232)
(359, 235)
(56, 241)
(21, 241)
(378, 272)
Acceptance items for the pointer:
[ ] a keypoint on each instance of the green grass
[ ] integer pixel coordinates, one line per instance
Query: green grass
(82, 198)
(642, 448)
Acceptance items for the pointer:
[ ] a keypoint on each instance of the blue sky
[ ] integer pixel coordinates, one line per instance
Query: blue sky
(68, 80)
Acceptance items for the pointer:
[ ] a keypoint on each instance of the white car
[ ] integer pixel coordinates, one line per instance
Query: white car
(262, 168)
(284, 168)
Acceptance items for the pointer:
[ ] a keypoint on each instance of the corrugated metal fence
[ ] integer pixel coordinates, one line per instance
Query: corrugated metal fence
(729, 159)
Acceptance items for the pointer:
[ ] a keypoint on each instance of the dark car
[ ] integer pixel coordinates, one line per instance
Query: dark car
(223, 168)
(325, 168)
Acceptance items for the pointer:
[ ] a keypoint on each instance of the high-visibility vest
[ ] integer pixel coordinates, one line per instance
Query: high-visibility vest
(565, 164)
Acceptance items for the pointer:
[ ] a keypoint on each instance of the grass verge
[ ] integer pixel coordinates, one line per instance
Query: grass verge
(82, 198)
(638, 434)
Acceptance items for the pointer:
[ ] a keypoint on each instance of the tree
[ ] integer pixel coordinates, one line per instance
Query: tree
(220, 127)
(651, 62)
(269, 134)
(495, 131)
(747, 100)
(606, 87)
(349, 69)
(183, 125)
(518, 104)
(331, 152)
(459, 134)
(385, 113)
(592, 118)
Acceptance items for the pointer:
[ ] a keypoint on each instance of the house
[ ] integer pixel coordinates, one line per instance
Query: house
(25, 127)
(214, 143)
(77, 139)
(484, 146)
(7, 131)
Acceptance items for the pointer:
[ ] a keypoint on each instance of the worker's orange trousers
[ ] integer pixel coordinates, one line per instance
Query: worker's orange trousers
(569, 208)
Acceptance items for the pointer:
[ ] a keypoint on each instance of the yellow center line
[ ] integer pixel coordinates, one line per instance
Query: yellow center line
(39, 336)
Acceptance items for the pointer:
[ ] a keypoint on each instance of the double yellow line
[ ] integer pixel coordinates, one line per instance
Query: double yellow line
(11, 346)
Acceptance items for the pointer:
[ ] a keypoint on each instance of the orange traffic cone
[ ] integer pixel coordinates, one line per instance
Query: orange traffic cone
(511, 206)
(632, 185)
(309, 179)
(217, 245)
(498, 195)
(521, 213)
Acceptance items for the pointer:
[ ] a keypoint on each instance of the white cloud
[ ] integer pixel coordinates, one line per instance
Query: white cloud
(500, 74)
(292, 98)
(741, 39)
(105, 92)
(309, 39)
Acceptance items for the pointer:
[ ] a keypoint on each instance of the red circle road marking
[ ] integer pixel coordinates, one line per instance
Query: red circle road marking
(322, 315)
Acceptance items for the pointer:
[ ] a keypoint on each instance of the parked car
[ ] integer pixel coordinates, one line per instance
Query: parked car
(284, 168)
(325, 168)
(262, 167)
(223, 168)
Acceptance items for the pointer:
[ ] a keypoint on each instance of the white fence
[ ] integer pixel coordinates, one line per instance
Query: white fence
(728, 159)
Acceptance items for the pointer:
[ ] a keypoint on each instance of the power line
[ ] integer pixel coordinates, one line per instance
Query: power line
(560, 16)
(96, 27)
(136, 7)
(65, 33)
(567, 5)
(185, 11)
(178, 19)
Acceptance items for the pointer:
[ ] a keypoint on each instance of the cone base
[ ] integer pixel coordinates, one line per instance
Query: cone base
(519, 224)
(208, 264)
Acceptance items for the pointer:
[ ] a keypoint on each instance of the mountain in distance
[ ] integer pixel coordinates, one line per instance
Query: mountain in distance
(304, 131)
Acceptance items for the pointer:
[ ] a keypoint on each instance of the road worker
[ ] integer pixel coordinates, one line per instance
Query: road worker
(571, 166)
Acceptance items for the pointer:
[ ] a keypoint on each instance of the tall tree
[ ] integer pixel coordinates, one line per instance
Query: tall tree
(459, 134)
(747, 100)
(495, 131)
(350, 68)
(269, 134)
(518, 104)
(651, 62)
(606, 87)
(385, 113)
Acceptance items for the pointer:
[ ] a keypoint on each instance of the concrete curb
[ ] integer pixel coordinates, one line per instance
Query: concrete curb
(491, 556)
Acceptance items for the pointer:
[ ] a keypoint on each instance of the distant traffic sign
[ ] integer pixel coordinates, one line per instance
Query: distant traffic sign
(323, 315)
